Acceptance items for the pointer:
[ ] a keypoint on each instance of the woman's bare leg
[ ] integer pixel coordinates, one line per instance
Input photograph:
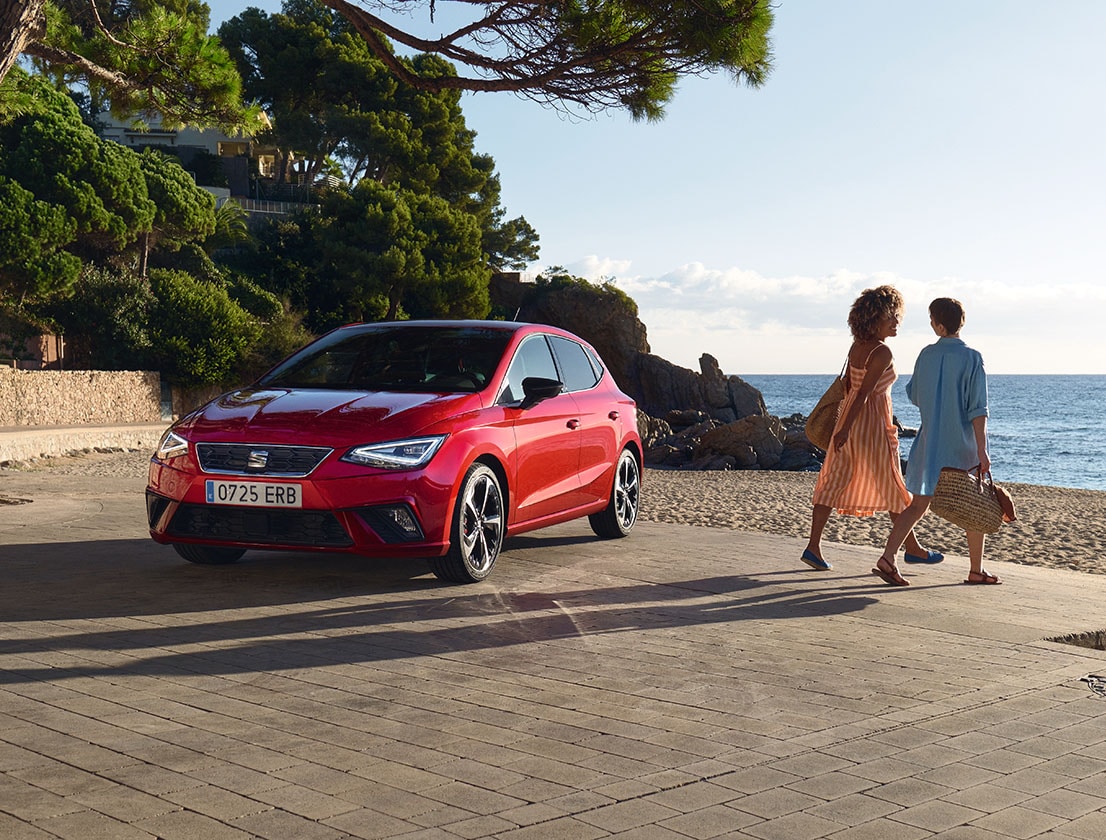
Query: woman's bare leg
(818, 519)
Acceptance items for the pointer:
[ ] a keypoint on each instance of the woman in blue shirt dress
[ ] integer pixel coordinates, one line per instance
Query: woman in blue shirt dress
(949, 387)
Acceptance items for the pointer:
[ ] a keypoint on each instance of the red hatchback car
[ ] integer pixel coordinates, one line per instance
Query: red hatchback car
(433, 439)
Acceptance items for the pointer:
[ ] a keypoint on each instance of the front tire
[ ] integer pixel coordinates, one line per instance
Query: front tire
(479, 526)
(208, 555)
(618, 518)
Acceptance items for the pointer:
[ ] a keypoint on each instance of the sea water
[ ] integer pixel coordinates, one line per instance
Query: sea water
(1041, 429)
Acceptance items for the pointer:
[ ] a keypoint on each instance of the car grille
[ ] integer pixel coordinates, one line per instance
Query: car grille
(261, 526)
(244, 459)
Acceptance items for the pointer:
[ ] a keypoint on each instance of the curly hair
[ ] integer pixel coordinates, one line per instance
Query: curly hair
(870, 307)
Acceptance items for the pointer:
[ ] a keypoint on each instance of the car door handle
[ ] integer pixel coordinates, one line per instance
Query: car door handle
(573, 424)
(613, 415)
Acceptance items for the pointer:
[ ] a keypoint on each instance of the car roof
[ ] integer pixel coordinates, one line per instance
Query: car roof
(508, 326)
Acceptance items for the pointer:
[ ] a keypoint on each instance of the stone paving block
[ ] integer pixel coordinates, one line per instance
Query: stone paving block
(304, 802)
(61, 778)
(800, 826)
(886, 770)
(937, 815)
(32, 803)
(276, 824)
(831, 786)
(1069, 804)
(1081, 768)
(539, 812)
(910, 791)
(712, 821)
(988, 797)
(1019, 822)
(1088, 827)
(958, 776)
(89, 825)
(854, 809)
(370, 825)
(1003, 761)
(769, 804)
(880, 829)
(473, 828)
(1033, 780)
(126, 804)
(566, 828)
(756, 779)
(188, 825)
(623, 816)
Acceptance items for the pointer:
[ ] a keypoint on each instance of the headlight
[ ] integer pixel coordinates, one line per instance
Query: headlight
(397, 454)
(172, 445)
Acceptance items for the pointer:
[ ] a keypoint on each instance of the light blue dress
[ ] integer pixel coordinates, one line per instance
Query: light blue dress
(949, 386)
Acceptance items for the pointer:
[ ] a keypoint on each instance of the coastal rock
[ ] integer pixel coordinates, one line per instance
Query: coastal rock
(659, 387)
(761, 434)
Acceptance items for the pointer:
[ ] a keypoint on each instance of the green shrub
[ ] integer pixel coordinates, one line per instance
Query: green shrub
(199, 334)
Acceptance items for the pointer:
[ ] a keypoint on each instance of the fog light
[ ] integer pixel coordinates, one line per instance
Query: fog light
(392, 523)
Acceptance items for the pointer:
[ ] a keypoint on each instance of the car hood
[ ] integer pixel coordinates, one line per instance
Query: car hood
(321, 417)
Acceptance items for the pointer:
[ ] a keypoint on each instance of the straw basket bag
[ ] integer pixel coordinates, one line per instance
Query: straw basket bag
(823, 417)
(971, 500)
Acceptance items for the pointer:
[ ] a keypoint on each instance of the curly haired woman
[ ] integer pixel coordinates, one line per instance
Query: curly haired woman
(862, 473)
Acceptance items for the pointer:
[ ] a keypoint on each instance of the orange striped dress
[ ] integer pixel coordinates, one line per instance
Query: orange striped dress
(865, 475)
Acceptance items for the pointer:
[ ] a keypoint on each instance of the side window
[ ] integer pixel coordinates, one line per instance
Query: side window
(579, 375)
(532, 359)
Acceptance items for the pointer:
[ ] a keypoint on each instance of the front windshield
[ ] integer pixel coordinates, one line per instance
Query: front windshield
(395, 358)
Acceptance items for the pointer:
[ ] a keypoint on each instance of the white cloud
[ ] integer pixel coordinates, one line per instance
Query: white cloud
(757, 324)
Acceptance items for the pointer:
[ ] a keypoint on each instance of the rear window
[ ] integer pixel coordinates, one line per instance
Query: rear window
(395, 358)
(576, 367)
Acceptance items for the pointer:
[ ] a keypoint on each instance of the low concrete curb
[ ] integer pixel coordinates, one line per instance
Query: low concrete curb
(19, 443)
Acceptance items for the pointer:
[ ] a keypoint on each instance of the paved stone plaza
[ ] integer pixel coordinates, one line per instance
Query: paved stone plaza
(683, 683)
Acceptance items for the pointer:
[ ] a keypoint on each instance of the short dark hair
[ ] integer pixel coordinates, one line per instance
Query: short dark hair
(949, 313)
(870, 307)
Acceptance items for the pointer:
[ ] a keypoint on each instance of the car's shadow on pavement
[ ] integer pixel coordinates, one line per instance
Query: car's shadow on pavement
(126, 607)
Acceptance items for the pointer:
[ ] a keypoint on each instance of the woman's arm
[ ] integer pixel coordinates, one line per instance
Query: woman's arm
(979, 426)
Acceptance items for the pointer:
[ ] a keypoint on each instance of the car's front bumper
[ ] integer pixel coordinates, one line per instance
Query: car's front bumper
(402, 513)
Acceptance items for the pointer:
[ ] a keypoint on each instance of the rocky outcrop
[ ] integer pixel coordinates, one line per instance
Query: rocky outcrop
(705, 420)
(659, 386)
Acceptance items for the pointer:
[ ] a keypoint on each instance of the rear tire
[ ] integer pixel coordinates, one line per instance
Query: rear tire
(618, 518)
(208, 555)
(479, 526)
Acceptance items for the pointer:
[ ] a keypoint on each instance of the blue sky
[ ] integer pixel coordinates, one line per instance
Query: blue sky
(949, 148)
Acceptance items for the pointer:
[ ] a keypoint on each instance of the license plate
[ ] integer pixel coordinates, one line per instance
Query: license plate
(253, 494)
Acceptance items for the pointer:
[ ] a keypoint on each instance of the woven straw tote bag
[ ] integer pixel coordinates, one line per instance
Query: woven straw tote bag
(968, 500)
(823, 417)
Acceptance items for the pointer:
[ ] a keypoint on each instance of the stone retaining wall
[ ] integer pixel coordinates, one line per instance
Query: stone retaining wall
(78, 397)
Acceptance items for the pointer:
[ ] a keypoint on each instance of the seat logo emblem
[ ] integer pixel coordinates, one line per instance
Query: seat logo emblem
(258, 460)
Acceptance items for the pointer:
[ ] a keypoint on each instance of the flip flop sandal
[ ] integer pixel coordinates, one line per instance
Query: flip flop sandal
(891, 578)
(982, 579)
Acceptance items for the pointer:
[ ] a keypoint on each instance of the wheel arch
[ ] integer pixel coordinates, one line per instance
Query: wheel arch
(496, 466)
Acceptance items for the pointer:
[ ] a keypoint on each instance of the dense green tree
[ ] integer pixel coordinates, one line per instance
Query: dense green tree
(153, 55)
(62, 162)
(121, 203)
(142, 56)
(33, 235)
(616, 53)
(183, 212)
(397, 252)
(331, 99)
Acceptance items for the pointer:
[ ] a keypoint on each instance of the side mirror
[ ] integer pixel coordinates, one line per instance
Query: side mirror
(535, 389)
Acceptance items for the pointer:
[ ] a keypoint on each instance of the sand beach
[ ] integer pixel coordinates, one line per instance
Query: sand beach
(1057, 527)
